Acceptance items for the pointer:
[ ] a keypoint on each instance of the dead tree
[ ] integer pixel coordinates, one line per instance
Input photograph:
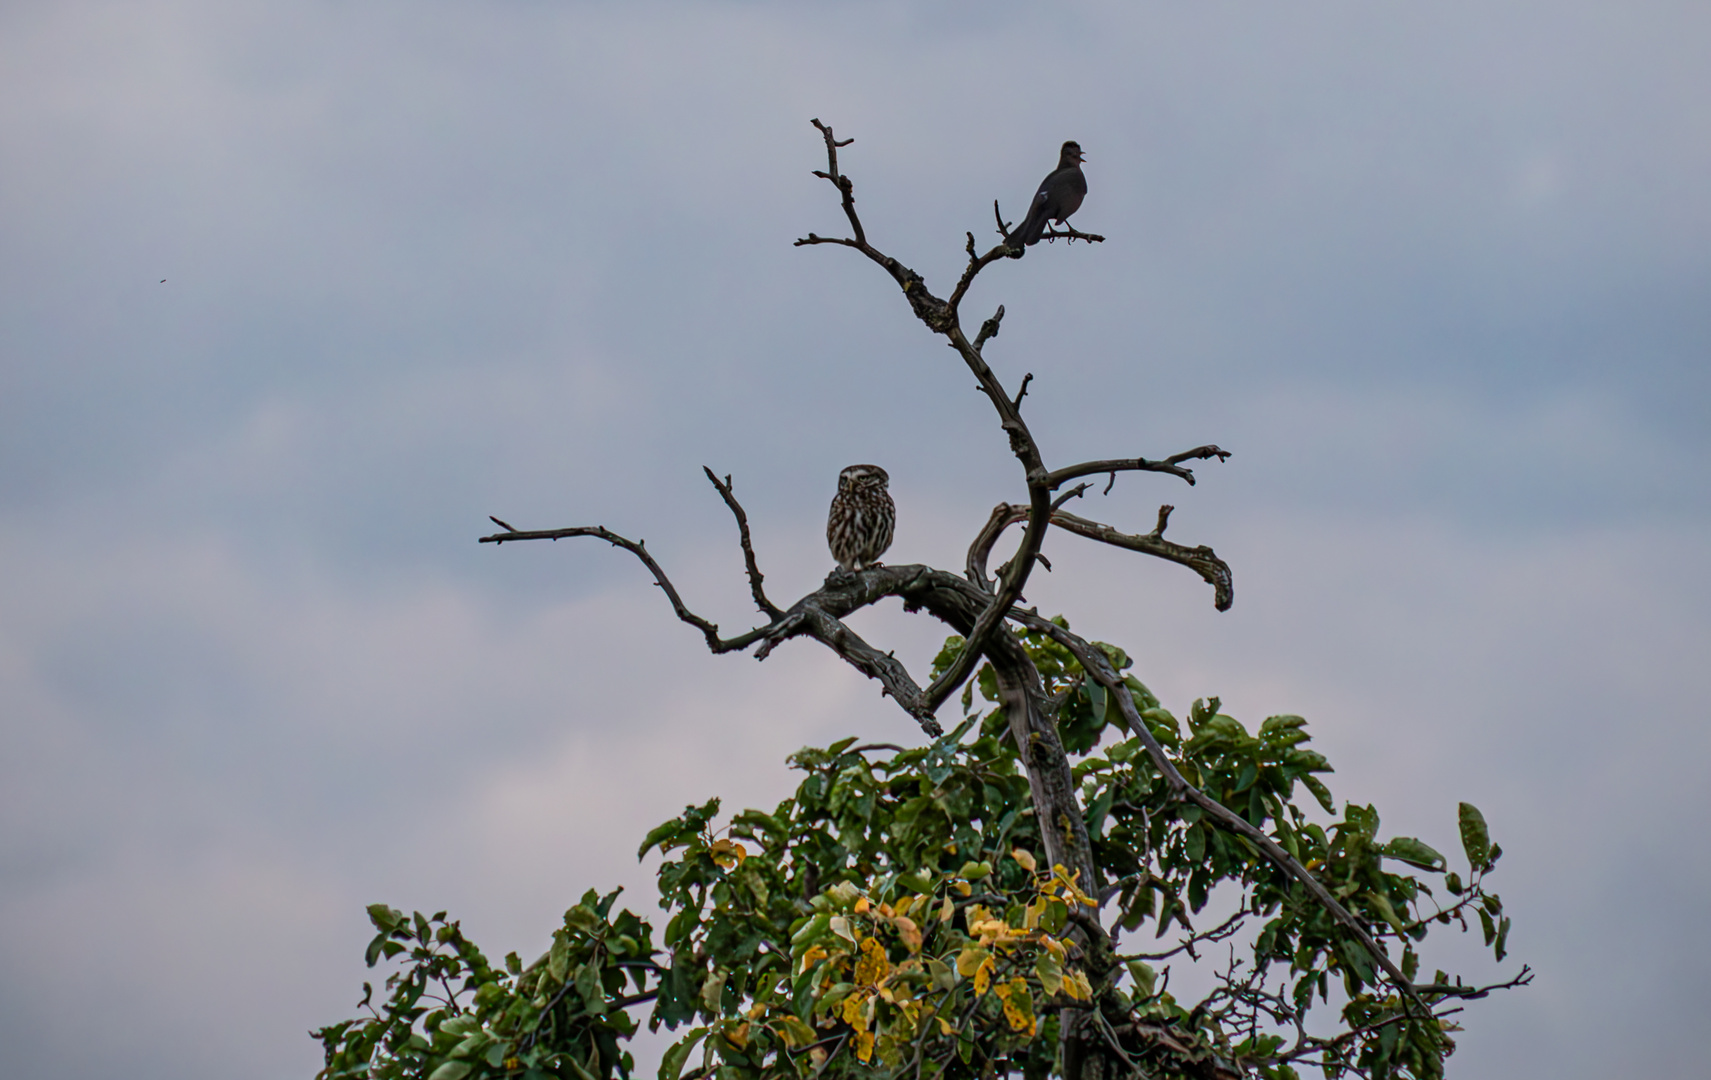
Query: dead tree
(982, 607)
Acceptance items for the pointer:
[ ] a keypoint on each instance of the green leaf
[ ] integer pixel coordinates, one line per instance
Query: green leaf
(558, 958)
(1143, 975)
(1502, 944)
(384, 918)
(592, 992)
(1321, 793)
(1096, 699)
(1049, 972)
(452, 1070)
(1475, 837)
(581, 918)
(372, 954)
(1414, 853)
(1381, 904)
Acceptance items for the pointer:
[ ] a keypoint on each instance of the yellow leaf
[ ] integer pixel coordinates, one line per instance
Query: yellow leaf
(963, 887)
(945, 1026)
(862, 906)
(874, 965)
(1076, 986)
(816, 953)
(1054, 946)
(818, 1057)
(983, 976)
(1018, 1004)
(864, 1046)
(852, 1012)
(946, 910)
(728, 852)
(969, 960)
(841, 927)
(909, 932)
(1024, 858)
(738, 1036)
(1069, 886)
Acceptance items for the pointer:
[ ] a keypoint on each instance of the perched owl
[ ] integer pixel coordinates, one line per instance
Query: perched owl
(858, 529)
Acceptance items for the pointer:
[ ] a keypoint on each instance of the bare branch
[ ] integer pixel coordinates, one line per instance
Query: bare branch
(755, 576)
(842, 182)
(637, 548)
(1218, 933)
(1171, 465)
(1470, 993)
(1202, 559)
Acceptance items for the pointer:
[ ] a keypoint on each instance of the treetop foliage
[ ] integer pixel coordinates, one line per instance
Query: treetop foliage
(893, 918)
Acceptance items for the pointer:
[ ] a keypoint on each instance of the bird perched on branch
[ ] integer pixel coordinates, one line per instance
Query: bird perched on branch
(859, 526)
(1059, 196)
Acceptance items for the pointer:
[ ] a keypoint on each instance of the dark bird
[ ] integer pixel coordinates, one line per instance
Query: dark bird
(859, 527)
(1059, 196)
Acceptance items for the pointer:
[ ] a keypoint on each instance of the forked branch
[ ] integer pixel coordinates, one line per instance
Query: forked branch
(1201, 559)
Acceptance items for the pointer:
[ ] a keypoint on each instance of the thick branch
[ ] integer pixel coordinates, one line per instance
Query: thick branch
(636, 548)
(1171, 465)
(941, 317)
(755, 576)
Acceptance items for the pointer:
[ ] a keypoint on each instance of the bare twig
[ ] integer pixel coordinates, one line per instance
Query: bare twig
(755, 576)
(1187, 944)
(989, 330)
(1022, 392)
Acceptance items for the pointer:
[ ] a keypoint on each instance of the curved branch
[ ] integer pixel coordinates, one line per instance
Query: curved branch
(1099, 668)
(755, 576)
(1171, 465)
(636, 548)
(1201, 559)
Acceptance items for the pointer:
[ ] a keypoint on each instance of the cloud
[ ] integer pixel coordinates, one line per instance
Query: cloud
(1435, 275)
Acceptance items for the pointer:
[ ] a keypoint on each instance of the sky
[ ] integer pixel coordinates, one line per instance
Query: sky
(294, 295)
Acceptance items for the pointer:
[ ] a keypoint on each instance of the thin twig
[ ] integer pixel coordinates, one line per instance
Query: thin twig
(755, 576)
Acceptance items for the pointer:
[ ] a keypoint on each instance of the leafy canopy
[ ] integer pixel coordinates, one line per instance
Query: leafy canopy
(892, 918)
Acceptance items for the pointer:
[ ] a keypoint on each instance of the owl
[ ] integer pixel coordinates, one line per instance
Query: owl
(859, 527)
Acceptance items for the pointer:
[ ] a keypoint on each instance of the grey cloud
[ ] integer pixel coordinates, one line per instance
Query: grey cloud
(1436, 274)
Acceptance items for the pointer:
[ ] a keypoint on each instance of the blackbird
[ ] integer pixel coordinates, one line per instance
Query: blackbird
(1059, 196)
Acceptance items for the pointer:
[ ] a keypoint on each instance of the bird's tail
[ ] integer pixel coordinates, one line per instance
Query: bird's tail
(1033, 226)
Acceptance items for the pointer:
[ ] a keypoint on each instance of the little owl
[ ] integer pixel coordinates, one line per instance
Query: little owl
(858, 529)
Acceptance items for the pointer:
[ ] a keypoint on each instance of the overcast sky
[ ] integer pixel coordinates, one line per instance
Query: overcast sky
(1438, 274)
